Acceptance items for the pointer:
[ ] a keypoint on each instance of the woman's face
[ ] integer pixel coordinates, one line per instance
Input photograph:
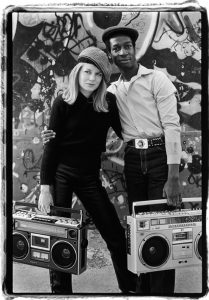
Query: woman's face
(89, 79)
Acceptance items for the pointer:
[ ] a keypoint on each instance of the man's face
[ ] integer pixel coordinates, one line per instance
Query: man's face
(122, 51)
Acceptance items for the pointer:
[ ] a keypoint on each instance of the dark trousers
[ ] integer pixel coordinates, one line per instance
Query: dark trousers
(146, 172)
(88, 187)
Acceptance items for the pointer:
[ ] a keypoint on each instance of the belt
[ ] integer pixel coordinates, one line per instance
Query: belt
(146, 143)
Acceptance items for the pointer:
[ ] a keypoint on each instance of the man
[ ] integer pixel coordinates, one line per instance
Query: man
(150, 127)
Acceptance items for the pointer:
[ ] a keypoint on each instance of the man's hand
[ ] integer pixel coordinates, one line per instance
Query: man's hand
(171, 191)
(47, 135)
(172, 187)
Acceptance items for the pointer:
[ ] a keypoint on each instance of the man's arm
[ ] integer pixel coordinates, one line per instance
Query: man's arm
(172, 187)
(167, 107)
(114, 115)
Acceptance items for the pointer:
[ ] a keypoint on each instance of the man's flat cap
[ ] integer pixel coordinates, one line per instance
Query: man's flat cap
(116, 30)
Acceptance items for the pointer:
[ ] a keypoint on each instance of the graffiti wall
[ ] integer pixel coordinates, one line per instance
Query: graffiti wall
(45, 49)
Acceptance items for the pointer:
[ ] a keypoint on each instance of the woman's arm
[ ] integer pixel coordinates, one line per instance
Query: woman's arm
(50, 154)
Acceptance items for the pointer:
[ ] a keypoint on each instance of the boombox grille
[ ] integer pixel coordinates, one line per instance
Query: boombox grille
(154, 251)
(63, 254)
(20, 246)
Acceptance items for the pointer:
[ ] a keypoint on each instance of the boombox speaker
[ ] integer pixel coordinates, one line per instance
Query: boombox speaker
(52, 242)
(161, 240)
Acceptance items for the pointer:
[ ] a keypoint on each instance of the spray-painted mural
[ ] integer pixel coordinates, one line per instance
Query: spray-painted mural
(45, 49)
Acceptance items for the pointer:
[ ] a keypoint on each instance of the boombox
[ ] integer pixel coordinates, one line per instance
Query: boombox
(50, 241)
(161, 240)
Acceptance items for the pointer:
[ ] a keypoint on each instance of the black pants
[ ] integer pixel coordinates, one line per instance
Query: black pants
(88, 187)
(146, 172)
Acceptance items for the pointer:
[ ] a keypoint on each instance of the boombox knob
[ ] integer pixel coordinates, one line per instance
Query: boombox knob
(84, 243)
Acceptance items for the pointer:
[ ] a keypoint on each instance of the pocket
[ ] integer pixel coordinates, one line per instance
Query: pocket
(128, 149)
(160, 148)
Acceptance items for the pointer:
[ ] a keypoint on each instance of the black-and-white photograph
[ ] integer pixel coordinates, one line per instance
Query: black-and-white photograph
(106, 113)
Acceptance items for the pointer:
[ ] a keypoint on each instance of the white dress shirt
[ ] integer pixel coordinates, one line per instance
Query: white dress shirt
(148, 109)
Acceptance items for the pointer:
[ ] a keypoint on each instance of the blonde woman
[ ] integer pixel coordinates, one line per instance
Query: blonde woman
(81, 117)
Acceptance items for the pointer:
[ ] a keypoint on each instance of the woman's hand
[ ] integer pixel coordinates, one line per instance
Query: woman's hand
(45, 199)
(47, 135)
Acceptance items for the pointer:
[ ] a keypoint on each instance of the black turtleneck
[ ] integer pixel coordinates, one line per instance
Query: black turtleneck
(80, 135)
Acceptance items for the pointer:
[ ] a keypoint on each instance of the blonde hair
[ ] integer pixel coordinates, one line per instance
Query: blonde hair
(99, 95)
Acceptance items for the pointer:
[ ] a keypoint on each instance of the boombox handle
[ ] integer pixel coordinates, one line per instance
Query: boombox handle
(160, 201)
(52, 208)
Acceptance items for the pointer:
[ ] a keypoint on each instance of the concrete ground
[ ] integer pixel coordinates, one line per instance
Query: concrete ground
(99, 277)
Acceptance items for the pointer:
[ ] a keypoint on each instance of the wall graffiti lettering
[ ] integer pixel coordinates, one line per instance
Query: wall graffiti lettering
(65, 29)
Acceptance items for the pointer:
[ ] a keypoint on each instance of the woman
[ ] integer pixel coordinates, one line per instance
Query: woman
(71, 161)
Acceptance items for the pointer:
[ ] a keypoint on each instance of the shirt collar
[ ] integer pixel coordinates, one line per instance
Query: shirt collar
(141, 71)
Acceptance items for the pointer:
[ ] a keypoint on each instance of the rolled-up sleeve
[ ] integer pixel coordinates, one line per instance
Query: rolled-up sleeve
(167, 106)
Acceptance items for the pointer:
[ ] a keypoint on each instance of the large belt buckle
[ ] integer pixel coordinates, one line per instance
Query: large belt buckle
(141, 143)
